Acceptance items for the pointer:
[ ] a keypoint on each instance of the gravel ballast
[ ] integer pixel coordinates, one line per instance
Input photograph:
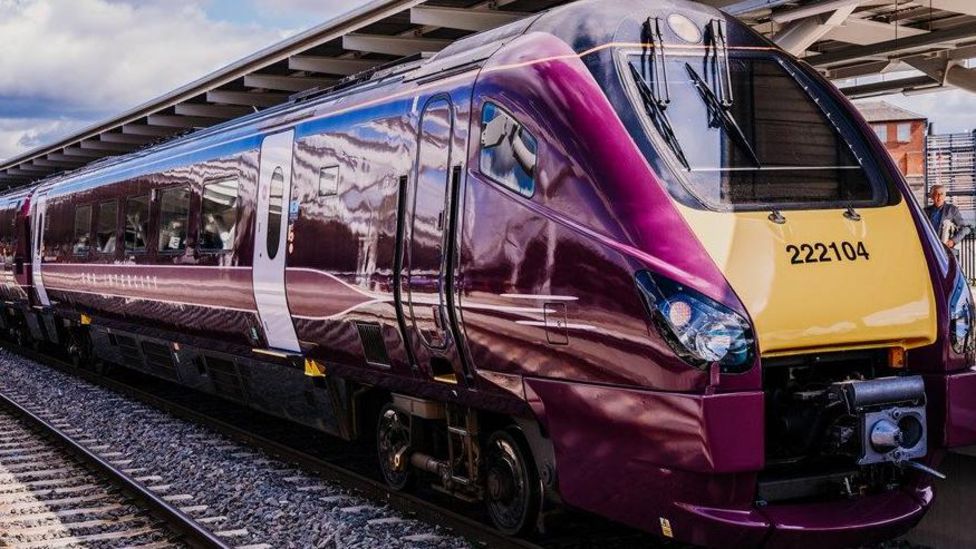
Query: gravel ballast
(249, 498)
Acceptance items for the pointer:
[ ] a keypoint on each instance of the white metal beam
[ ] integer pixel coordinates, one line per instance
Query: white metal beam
(392, 45)
(286, 83)
(462, 19)
(967, 7)
(330, 65)
(212, 111)
(865, 31)
(176, 121)
(800, 34)
(253, 99)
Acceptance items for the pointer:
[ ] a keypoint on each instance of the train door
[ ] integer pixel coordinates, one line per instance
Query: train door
(37, 241)
(426, 221)
(274, 189)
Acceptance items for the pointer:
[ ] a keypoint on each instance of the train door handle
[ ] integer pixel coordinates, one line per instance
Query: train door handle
(440, 220)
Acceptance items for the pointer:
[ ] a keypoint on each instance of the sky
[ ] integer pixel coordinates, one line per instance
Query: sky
(66, 64)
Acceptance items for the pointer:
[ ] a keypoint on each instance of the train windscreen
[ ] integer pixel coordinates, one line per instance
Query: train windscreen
(749, 134)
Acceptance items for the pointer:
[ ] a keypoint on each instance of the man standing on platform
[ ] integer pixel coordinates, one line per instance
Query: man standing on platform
(946, 219)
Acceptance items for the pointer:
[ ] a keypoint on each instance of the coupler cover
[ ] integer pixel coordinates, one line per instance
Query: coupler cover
(891, 414)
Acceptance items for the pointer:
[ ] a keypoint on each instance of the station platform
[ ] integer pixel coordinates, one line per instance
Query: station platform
(949, 524)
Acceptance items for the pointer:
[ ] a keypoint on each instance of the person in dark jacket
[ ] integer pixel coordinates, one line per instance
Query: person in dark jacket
(946, 219)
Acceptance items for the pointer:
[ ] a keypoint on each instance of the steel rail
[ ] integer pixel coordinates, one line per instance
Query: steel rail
(409, 504)
(191, 532)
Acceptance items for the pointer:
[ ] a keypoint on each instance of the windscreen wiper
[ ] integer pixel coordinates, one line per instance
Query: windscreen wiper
(656, 111)
(722, 114)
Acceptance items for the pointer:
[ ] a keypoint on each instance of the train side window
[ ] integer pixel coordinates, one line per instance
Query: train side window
(218, 222)
(136, 223)
(174, 216)
(107, 227)
(329, 181)
(275, 205)
(82, 229)
(508, 151)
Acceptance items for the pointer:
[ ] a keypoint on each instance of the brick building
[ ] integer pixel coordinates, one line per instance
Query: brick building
(904, 134)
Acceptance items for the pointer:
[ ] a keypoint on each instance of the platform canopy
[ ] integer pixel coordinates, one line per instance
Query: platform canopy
(846, 39)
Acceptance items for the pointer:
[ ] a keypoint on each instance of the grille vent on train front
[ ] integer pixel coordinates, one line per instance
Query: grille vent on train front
(225, 378)
(159, 360)
(129, 350)
(374, 348)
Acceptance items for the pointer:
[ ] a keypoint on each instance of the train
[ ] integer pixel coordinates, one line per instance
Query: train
(623, 257)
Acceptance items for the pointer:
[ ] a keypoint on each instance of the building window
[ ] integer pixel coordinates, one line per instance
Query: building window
(882, 131)
(904, 133)
(174, 215)
(82, 229)
(136, 223)
(107, 227)
(219, 215)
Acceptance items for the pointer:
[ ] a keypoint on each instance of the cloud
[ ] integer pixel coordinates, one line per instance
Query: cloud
(67, 64)
(109, 55)
(951, 111)
(20, 134)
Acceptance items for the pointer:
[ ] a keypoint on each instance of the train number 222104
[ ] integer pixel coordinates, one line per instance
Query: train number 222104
(821, 252)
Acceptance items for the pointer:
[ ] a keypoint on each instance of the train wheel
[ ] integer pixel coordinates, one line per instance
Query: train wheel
(513, 484)
(393, 446)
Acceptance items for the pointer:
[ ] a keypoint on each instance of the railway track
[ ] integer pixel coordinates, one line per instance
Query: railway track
(55, 492)
(457, 523)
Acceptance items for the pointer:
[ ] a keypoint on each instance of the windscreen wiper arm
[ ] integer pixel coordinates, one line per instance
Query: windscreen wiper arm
(722, 113)
(655, 110)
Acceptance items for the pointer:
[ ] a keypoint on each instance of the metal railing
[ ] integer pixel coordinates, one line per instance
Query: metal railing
(967, 258)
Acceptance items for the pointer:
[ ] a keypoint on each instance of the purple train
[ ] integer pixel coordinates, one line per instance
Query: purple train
(623, 256)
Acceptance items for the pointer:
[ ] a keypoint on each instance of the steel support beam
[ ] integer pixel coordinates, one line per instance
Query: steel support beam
(890, 49)
(889, 86)
(286, 83)
(84, 153)
(252, 99)
(945, 70)
(392, 45)
(109, 147)
(330, 65)
(46, 163)
(800, 34)
(185, 122)
(30, 169)
(212, 111)
(130, 139)
(463, 19)
(143, 129)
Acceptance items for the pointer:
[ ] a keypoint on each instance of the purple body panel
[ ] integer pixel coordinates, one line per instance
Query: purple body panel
(527, 305)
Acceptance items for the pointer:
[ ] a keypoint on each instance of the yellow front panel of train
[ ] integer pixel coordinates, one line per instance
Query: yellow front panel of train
(821, 281)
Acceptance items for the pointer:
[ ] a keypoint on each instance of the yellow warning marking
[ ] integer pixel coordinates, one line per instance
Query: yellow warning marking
(666, 528)
(313, 368)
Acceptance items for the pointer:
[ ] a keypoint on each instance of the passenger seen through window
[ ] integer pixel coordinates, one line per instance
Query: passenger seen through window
(82, 229)
(107, 226)
(219, 215)
(136, 223)
(174, 211)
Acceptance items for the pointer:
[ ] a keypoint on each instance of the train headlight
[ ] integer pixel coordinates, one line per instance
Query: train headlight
(700, 330)
(961, 317)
